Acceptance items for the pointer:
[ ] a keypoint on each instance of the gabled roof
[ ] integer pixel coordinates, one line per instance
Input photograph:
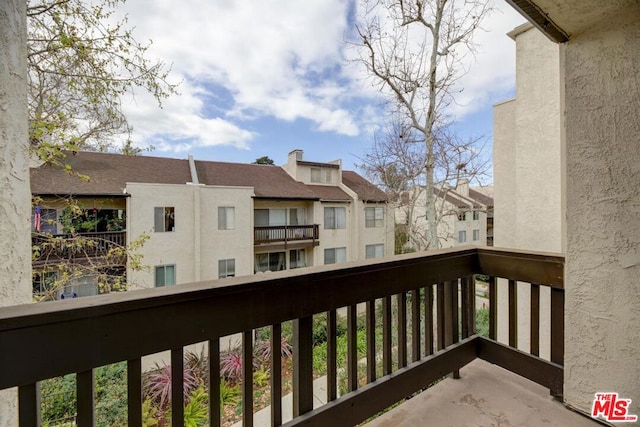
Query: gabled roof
(365, 190)
(267, 181)
(480, 197)
(107, 173)
(329, 193)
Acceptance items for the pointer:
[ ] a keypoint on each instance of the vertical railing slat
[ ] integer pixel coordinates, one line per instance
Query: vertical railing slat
(29, 405)
(455, 311)
(247, 378)
(440, 318)
(177, 387)
(371, 340)
(332, 365)
(535, 320)
(215, 409)
(276, 374)
(557, 326)
(134, 392)
(493, 308)
(428, 316)
(402, 329)
(302, 366)
(85, 398)
(352, 348)
(513, 313)
(415, 325)
(386, 336)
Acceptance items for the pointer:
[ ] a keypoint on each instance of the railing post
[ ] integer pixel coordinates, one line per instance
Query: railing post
(371, 340)
(386, 336)
(29, 405)
(415, 325)
(352, 348)
(535, 320)
(402, 329)
(85, 398)
(177, 387)
(247, 379)
(302, 366)
(134, 392)
(214, 383)
(493, 308)
(332, 365)
(276, 374)
(513, 314)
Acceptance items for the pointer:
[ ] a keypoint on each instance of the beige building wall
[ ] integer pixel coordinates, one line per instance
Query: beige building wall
(602, 302)
(528, 155)
(335, 238)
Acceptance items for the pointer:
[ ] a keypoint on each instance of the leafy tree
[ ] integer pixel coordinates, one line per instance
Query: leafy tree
(264, 160)
(413, 52)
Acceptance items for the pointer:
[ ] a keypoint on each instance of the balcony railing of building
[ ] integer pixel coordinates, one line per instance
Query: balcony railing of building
(285, 233)
(76, 246)
(425, 301)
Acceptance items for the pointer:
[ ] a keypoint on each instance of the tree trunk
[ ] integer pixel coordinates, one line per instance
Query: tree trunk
(15, 194)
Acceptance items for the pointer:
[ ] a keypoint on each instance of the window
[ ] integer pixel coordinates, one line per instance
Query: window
(226, 268)
(165, 275)
(476, 235)
(462, 236)
(45, 220)
(226, 218)
(462, 215)
(476, 215)
(335, 218)
(297, 258)
(274, 261)
(374, 217)
(335, 255)
(374, 251)
(164, 219)
(320, 175)
(44, 284)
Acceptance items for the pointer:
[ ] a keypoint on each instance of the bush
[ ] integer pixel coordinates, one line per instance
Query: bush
(482, 322)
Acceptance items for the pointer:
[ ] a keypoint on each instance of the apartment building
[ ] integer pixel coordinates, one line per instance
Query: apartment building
(209, 220)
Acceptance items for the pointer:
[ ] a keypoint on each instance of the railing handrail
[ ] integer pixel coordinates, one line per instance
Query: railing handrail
(83, 333)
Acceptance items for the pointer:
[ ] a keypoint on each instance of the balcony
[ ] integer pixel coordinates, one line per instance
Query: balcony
(424, 304)
(79, 246)
(287, 236)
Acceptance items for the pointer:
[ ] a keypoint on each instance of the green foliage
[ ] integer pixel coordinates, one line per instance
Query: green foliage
(261, 377)
(264, 160)
(149, 414)
(196, 412)
(482, 322)
(229, 393)
(482, 277)
(58, 399)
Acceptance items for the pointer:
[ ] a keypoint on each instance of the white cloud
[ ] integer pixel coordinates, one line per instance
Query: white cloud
(279, 59)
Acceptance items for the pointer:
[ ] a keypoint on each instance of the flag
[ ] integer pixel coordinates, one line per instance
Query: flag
(37, 219)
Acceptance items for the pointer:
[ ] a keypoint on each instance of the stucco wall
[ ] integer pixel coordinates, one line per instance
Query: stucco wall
(15, 194)
(603, 212)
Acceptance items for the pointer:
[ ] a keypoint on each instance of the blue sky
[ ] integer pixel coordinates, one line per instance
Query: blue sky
(266, 77)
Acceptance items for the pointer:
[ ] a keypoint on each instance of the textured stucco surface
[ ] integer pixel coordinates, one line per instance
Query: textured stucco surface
(603, 212)
(15, 252)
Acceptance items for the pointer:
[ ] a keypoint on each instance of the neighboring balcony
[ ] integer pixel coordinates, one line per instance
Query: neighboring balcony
(80, 246)
(289, 236)
(418, 323)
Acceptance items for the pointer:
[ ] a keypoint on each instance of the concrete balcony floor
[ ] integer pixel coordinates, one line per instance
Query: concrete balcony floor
(485, 395)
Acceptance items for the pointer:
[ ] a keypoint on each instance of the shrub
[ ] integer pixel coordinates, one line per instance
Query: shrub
(229, 394)
(482, 322)
(263, 351)
(157, 385)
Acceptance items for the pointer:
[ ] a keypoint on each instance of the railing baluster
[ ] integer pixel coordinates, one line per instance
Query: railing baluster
(402, 329)
(215, 409)
(557, 326)
(332, 365)
(134, 392)
(276, 374)
(535, 320)
(177, 387)
(302, 366)
(513, 314)
(468, 313)
(386, 336)
(493, 308)
(428, 317)
(85, 397)
(352, 348)
(371, 341)
(440, 315)
(415, 325)
(29, 405)
(453, 316)
(247, 378)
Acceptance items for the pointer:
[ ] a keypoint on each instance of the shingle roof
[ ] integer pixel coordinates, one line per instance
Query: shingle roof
(364, 189)
(268, 181)
(107, 173)
(481, 198)
(329, 192)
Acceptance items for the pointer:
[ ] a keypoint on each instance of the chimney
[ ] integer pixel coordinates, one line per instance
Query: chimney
(463, 187)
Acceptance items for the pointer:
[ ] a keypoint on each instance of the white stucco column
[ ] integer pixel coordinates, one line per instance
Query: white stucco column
(15, 194)
(602, 337)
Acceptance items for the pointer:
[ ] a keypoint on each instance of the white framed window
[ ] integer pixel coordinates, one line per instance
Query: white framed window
(164, 219)
(335, 255)
(462, 236)
(165, 275)
(297, 258)
(462, 214)
(476, 215)
(226, 218)
(321, 175)
(226, 268)
(476, 235)
(374, 251)
(374, 217)
(335, 218)
(271, 261)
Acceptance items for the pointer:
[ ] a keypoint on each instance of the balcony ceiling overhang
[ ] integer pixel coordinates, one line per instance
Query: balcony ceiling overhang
(561, 20)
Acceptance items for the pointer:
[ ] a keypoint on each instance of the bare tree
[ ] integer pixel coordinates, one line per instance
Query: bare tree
(414, 52)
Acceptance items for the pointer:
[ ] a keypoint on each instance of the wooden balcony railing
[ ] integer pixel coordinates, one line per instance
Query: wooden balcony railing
(285, 233)
(424, 303)
(76, 246)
